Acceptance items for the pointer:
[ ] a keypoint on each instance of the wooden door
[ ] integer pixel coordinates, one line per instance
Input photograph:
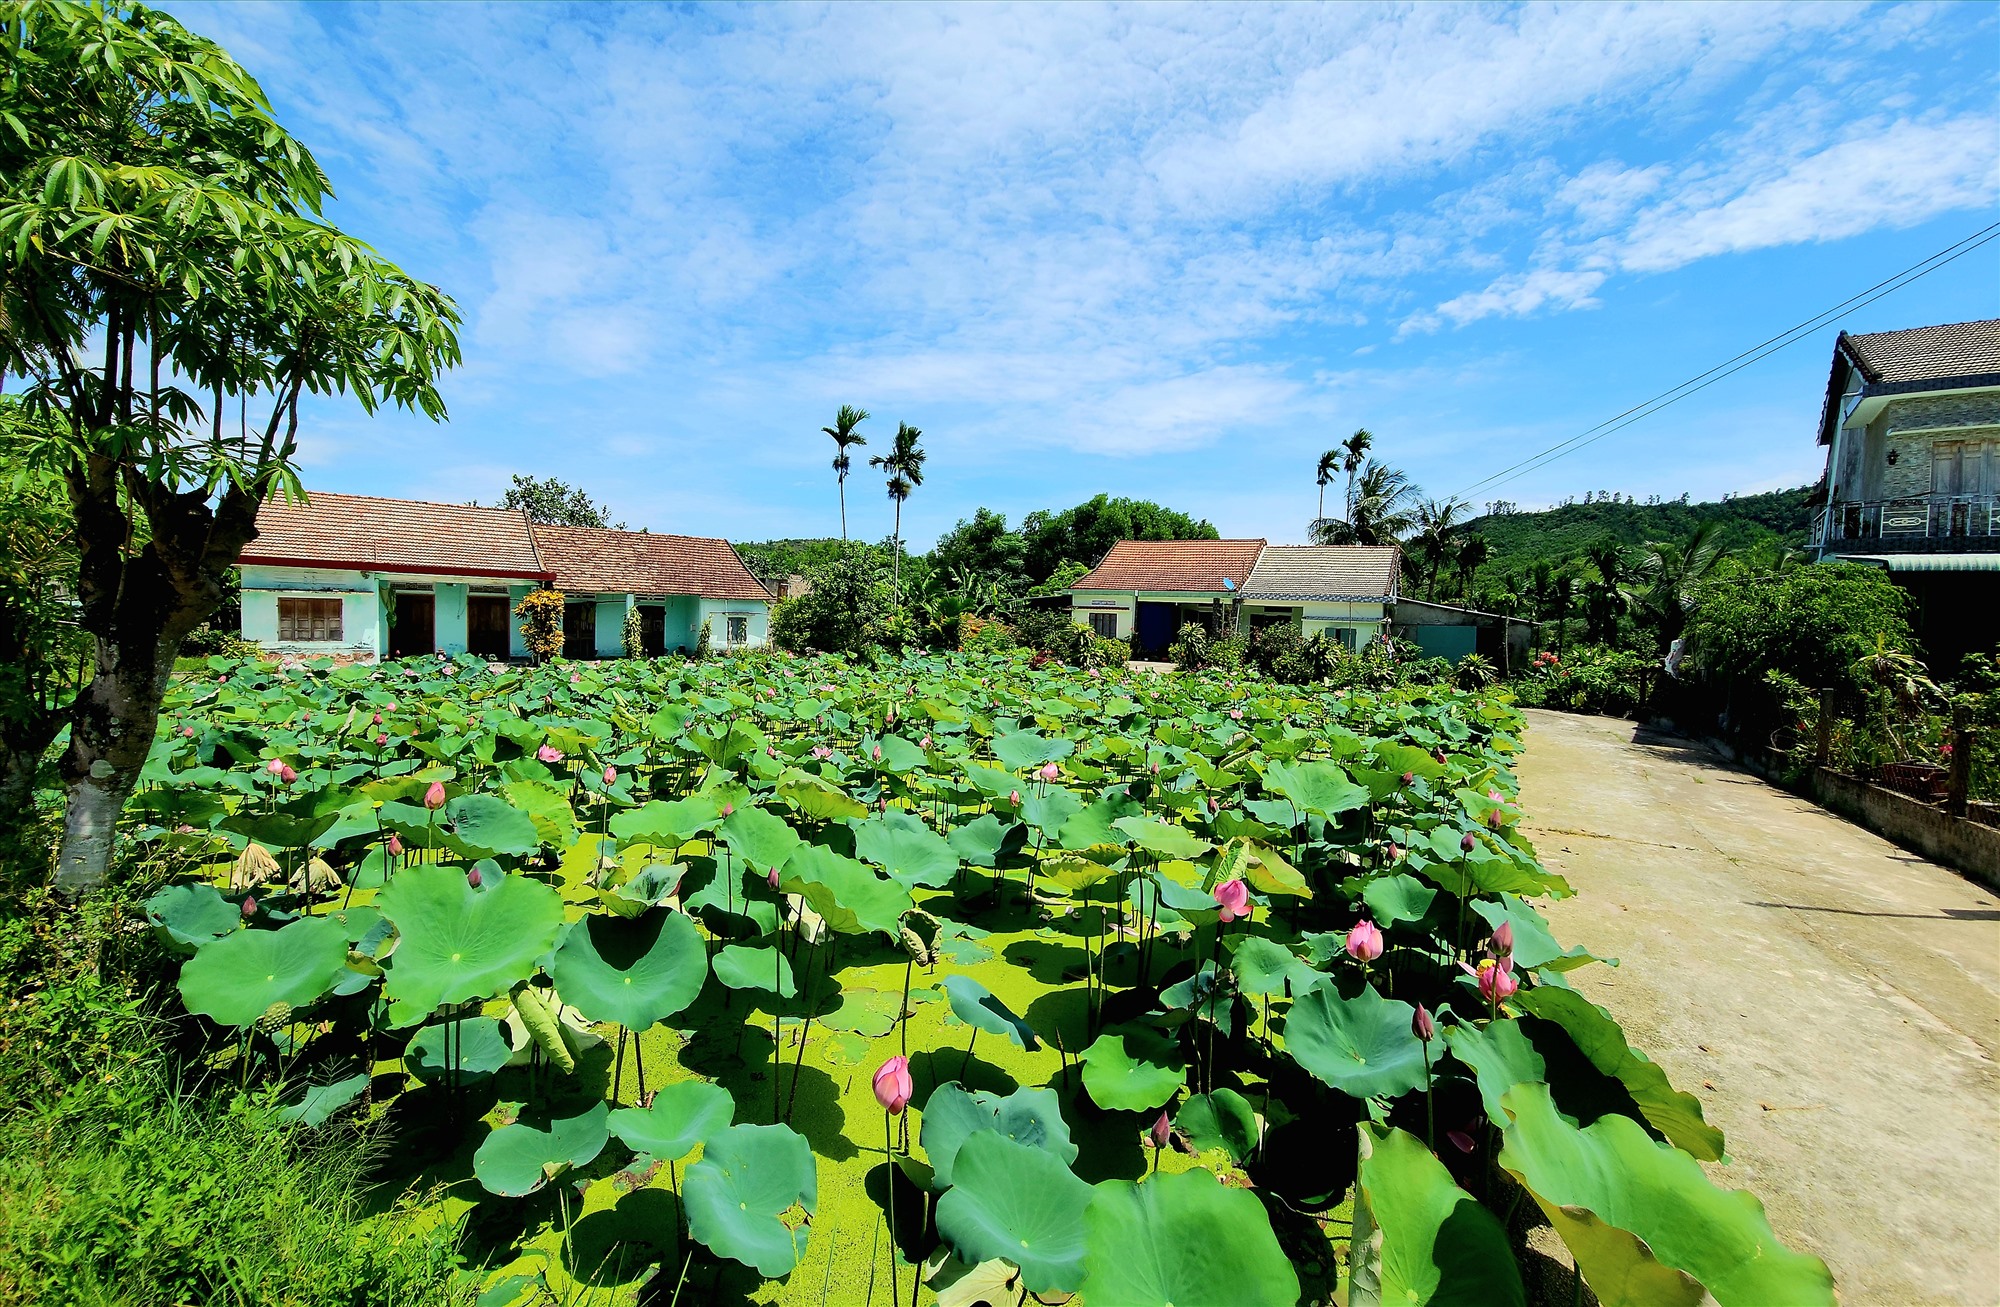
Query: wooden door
(415, 630)
(486, 625)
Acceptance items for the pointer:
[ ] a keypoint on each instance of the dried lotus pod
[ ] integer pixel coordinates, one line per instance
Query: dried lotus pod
(254, 866)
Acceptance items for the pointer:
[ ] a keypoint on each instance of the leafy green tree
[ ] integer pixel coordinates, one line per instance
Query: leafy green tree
(983, 546)
(845, 611)
(163, 253)
(905, 465)
(844, 435)
(1605, 596)
(1383, 510)
(1434, 521)
(1085, 534)
(555, 502)
(1669, 571)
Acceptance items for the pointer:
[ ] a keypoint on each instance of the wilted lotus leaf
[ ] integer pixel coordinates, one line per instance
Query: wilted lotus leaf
(974, 1004)
(518, 1159)
(632, 972)
(189, 916)
(680, 1116)
(1362, 1046)
(237, 978)
(1183, 1238)
(1014, 1201)
(459, 943)
(737, 1195)
(918, 934)
(254, 866)
(1132, 1069)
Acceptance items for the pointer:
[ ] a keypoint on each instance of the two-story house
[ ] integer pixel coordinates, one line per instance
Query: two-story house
(1911, 426)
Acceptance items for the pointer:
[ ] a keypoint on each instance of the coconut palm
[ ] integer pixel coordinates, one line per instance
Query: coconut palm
(1382, 511)
(1435, 520)
(1671, 570)
(1329, 463)
(1353, 453)
(905, 465)
(1606, 598)
(844, 434)
(1473, 553)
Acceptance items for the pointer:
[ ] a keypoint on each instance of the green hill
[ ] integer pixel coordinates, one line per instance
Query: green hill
(1518, 539)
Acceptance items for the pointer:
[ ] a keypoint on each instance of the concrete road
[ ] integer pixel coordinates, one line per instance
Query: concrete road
(1832, 1000)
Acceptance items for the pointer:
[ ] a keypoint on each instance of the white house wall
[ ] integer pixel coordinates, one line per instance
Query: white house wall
(363, 620)
(717, 612)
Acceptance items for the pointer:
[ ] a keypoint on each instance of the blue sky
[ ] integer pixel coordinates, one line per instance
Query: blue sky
(1171, 252)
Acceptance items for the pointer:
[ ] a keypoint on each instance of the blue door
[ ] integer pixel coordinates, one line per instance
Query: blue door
(1154, 630)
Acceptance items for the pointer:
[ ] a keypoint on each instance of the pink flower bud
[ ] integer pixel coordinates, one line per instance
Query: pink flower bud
(772, 877)
(434, 796)
(1214, 806)
(1466, 842)
(382, 738)
(610, 775)
(286, 774)
(1496, 818)
(1422, 1026)
(1162, 1132)
(1395, 852)
(395, 847)
(728, 809)
(876, 753)
(391, 707)
(1014, 797)
(1050, 771)
(377, 720)
(1496, 980)
(924, 743)
(187, 732)
(276, 766)
(1460, 1140)
(1156, 769)
(1235, 714)
(249, 908)
(1364, 941)
(1503, 938)
(1233, 898)
(893, 1086)
(473, 878)
(1409, 779)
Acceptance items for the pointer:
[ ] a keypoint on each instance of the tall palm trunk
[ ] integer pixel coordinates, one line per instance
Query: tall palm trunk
(843, 508)
(1322, 503)
(896, 568)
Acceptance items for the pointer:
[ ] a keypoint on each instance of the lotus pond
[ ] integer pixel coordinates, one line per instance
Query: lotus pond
(938, 980)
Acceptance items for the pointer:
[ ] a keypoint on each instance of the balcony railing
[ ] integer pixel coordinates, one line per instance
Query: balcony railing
(1918, 520)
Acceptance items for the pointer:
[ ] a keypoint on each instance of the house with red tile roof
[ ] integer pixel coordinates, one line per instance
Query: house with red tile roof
(1144, 591)
(367, 577)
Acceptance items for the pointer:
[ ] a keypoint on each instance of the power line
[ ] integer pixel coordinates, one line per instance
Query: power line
(1762, 350)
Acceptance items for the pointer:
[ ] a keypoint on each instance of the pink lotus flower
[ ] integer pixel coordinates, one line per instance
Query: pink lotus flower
(1050, 771)
(549, 753)
(1466, 842)
(434, 796)
(924, 743)
(382, 737)
(1235, 714)
(576, 678)
(893, 1086)
(1014, 797)
(1422, 1026)
(1364, 941)
(377, 720)
(1162, 1132)
(183, 829)
(395, 847)
(473, 878)
(276, 766)
(1409, 779)
(610, 775)
(772, 877)
(391, 707)
(728, 809)
(821, 751)
(1233, 898)
(1503, 938)
(249, 908)
(187, 732)
(1496, 979)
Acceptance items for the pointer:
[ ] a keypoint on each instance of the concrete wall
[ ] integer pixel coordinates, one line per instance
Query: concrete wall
(362, 619)
(717, 613)
(611, 624)
(1967, 845)
(1365, 620)
(517, 644)
(1081, 606)
(449, 631)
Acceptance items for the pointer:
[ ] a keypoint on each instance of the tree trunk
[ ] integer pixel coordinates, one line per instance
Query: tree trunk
(843, 510)
(896, 567)
(112, 725)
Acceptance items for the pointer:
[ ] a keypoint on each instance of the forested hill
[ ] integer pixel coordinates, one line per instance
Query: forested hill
(1520, 538)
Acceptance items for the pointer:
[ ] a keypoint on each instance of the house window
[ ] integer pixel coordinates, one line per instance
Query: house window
(1346, 635)
(1104, 625)
(737, 631)
(303, 621)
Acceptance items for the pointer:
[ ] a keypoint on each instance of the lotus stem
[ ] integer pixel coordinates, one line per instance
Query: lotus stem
(618, 1069)
(970, 1045)
(888, 1155)
(903, 1012)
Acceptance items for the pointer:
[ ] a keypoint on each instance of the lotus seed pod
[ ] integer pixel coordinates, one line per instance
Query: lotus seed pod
(275, 1018)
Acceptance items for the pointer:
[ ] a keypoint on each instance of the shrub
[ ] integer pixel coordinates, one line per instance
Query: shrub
(541, 614)
(1051, 631)
(1283, 654)
(1474, 672)
(984, 635)
(1190, 650)
(1590, 679)
(845, 611)
(632, 636)
(210, 642)
(1100, 652)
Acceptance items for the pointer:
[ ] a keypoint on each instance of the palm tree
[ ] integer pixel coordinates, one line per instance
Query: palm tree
(1473, 552)
(905, 465)
(1435, 520)
(1353, 453)
(1607, 597)
(1381, 512)
(1672, 569)
(1329, 463)
(844, 434)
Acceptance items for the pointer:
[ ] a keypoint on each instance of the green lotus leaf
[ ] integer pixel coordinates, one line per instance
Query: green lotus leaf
(1269, 873)
(1223, 1119)
(1024, 749)
(762, 839)
(912, 853)
(958, 1283)
(954, 1114)
(541, 1024)
(1266, 968)
(1133, 1069)
(1418, 1237)
(1162, 838)
(1642, 1219)
(1320, 787)
(1014, 1201)
(1096, 824)
(681, 1115)
(1534, 945)
(870, 1012)
(1500, 1056)
(459, 943)
(1073, 873)
(1400, 758)
(1362, 1046)
(654, 885)
(668, 824)
(189, 916)
(741, 966)
(237, 978)
(816, 798)
(1673, 1112)
(634, 972)
(318, 1103)
(487, 826)
(1183, 1239)
(1398, 898)
(749, 1177)
(518, 1159)
(991, 781)
(898, 754)
(974, 1004)
(546, 806)
(280, 830)
(1049, 812)
(477, 1045)
(852, 898)
(985, 839)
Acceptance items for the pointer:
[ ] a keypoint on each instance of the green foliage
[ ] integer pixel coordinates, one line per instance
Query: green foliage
(843, 612)
(1813, 624)
(632, 635)
(541, 614)
(1592, 679)
(555, 502)
(1567, 533)
(1085, 534)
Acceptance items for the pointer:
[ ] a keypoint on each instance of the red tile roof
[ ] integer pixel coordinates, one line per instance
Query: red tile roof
(589, 559)
(1174, 566)
(394, 535)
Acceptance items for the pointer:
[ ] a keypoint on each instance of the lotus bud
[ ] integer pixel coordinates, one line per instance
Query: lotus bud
(1496, 818)
(391, 707)
(610, 775)
(772, 877)
(1466, 842)
(1409, 779)
(1422, 1026)
(1395, 852)
(434, 796)
(1162, 1131)
(473, 877)
(249, 908)
(382, 737)
(1014, 797)
(287, 775)
(1214, 806)
(1460, 1140)
(1156, 769)
(893, 1086)
(187, 732)
(1496, 980)
(1235, 714)
(395, 847)
(1233, 898)
(924, 743)
(1503, 938)
(876, 753)
(1364, 941)
(276, 766)
(376, 720)
(728, 809)
(1050, 771)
